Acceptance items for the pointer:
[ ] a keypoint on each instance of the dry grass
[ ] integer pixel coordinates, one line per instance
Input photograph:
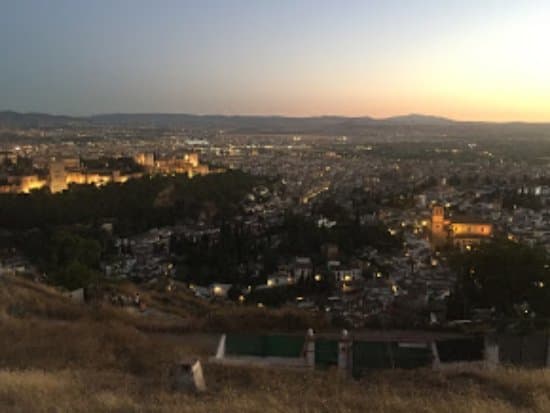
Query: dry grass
(58, 357)
(256, 389)
(21, 298)
(176, 312)
(199, 314)
(85, 344)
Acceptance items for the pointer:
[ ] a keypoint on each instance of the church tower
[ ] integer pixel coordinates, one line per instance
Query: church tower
(439, 234)
(438, 214)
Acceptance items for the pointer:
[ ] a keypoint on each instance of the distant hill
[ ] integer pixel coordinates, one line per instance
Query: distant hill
(323, 125)
(415, 119)
(10, 119)
(264, 122)
(244, 124)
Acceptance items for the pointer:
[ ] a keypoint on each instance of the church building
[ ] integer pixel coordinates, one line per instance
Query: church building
(460, 232)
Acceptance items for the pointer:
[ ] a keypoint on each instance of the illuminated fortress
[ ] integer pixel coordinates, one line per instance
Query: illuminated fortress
(64, 171)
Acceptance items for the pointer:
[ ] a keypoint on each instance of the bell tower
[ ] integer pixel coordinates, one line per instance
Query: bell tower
(438, 214)
(439, 235)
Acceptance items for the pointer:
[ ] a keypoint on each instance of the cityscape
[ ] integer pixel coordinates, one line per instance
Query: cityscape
(235, 243)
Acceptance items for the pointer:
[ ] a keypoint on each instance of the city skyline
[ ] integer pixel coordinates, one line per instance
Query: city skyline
(330, 205)
(460, 60)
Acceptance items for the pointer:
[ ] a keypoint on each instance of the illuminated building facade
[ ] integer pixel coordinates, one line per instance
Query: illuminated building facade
(22, 184)
(187, 164)
(64, 171)
(71, 171)
(459, 232)
(147, 160)
(58, 176)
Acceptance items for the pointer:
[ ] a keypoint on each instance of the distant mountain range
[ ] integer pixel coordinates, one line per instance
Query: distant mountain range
(253, 124)
(10, 119)
(16, 119)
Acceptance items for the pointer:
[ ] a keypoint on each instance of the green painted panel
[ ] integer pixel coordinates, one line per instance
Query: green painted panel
(326, 353)
(411, 357)
(244, 345)
(283, 346)
(264, 345)
(370, 355)
(460, 349)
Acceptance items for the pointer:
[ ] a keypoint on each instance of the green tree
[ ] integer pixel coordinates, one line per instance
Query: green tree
(503, 275)
(75, 275)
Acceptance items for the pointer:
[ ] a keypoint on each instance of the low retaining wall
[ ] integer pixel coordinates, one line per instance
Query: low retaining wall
(355, 357)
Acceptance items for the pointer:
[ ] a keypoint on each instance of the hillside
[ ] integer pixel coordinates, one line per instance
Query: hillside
(322, 125)
(11, 119)
(176, 120)
(58, 356)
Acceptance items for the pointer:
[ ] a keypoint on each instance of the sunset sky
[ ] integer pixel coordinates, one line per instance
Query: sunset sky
(470, 60)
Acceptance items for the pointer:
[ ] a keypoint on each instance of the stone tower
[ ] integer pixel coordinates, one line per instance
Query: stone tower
(58, 176)
(439, 234)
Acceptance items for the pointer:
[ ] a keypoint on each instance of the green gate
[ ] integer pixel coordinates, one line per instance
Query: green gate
(326, 353)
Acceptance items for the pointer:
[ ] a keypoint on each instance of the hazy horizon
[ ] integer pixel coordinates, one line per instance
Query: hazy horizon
(455, 59)
(272, 115)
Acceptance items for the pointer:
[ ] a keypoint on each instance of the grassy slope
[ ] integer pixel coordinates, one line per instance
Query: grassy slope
(60, 357)
(253, 390)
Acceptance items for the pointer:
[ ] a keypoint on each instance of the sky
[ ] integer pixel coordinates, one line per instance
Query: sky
(465, 59)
